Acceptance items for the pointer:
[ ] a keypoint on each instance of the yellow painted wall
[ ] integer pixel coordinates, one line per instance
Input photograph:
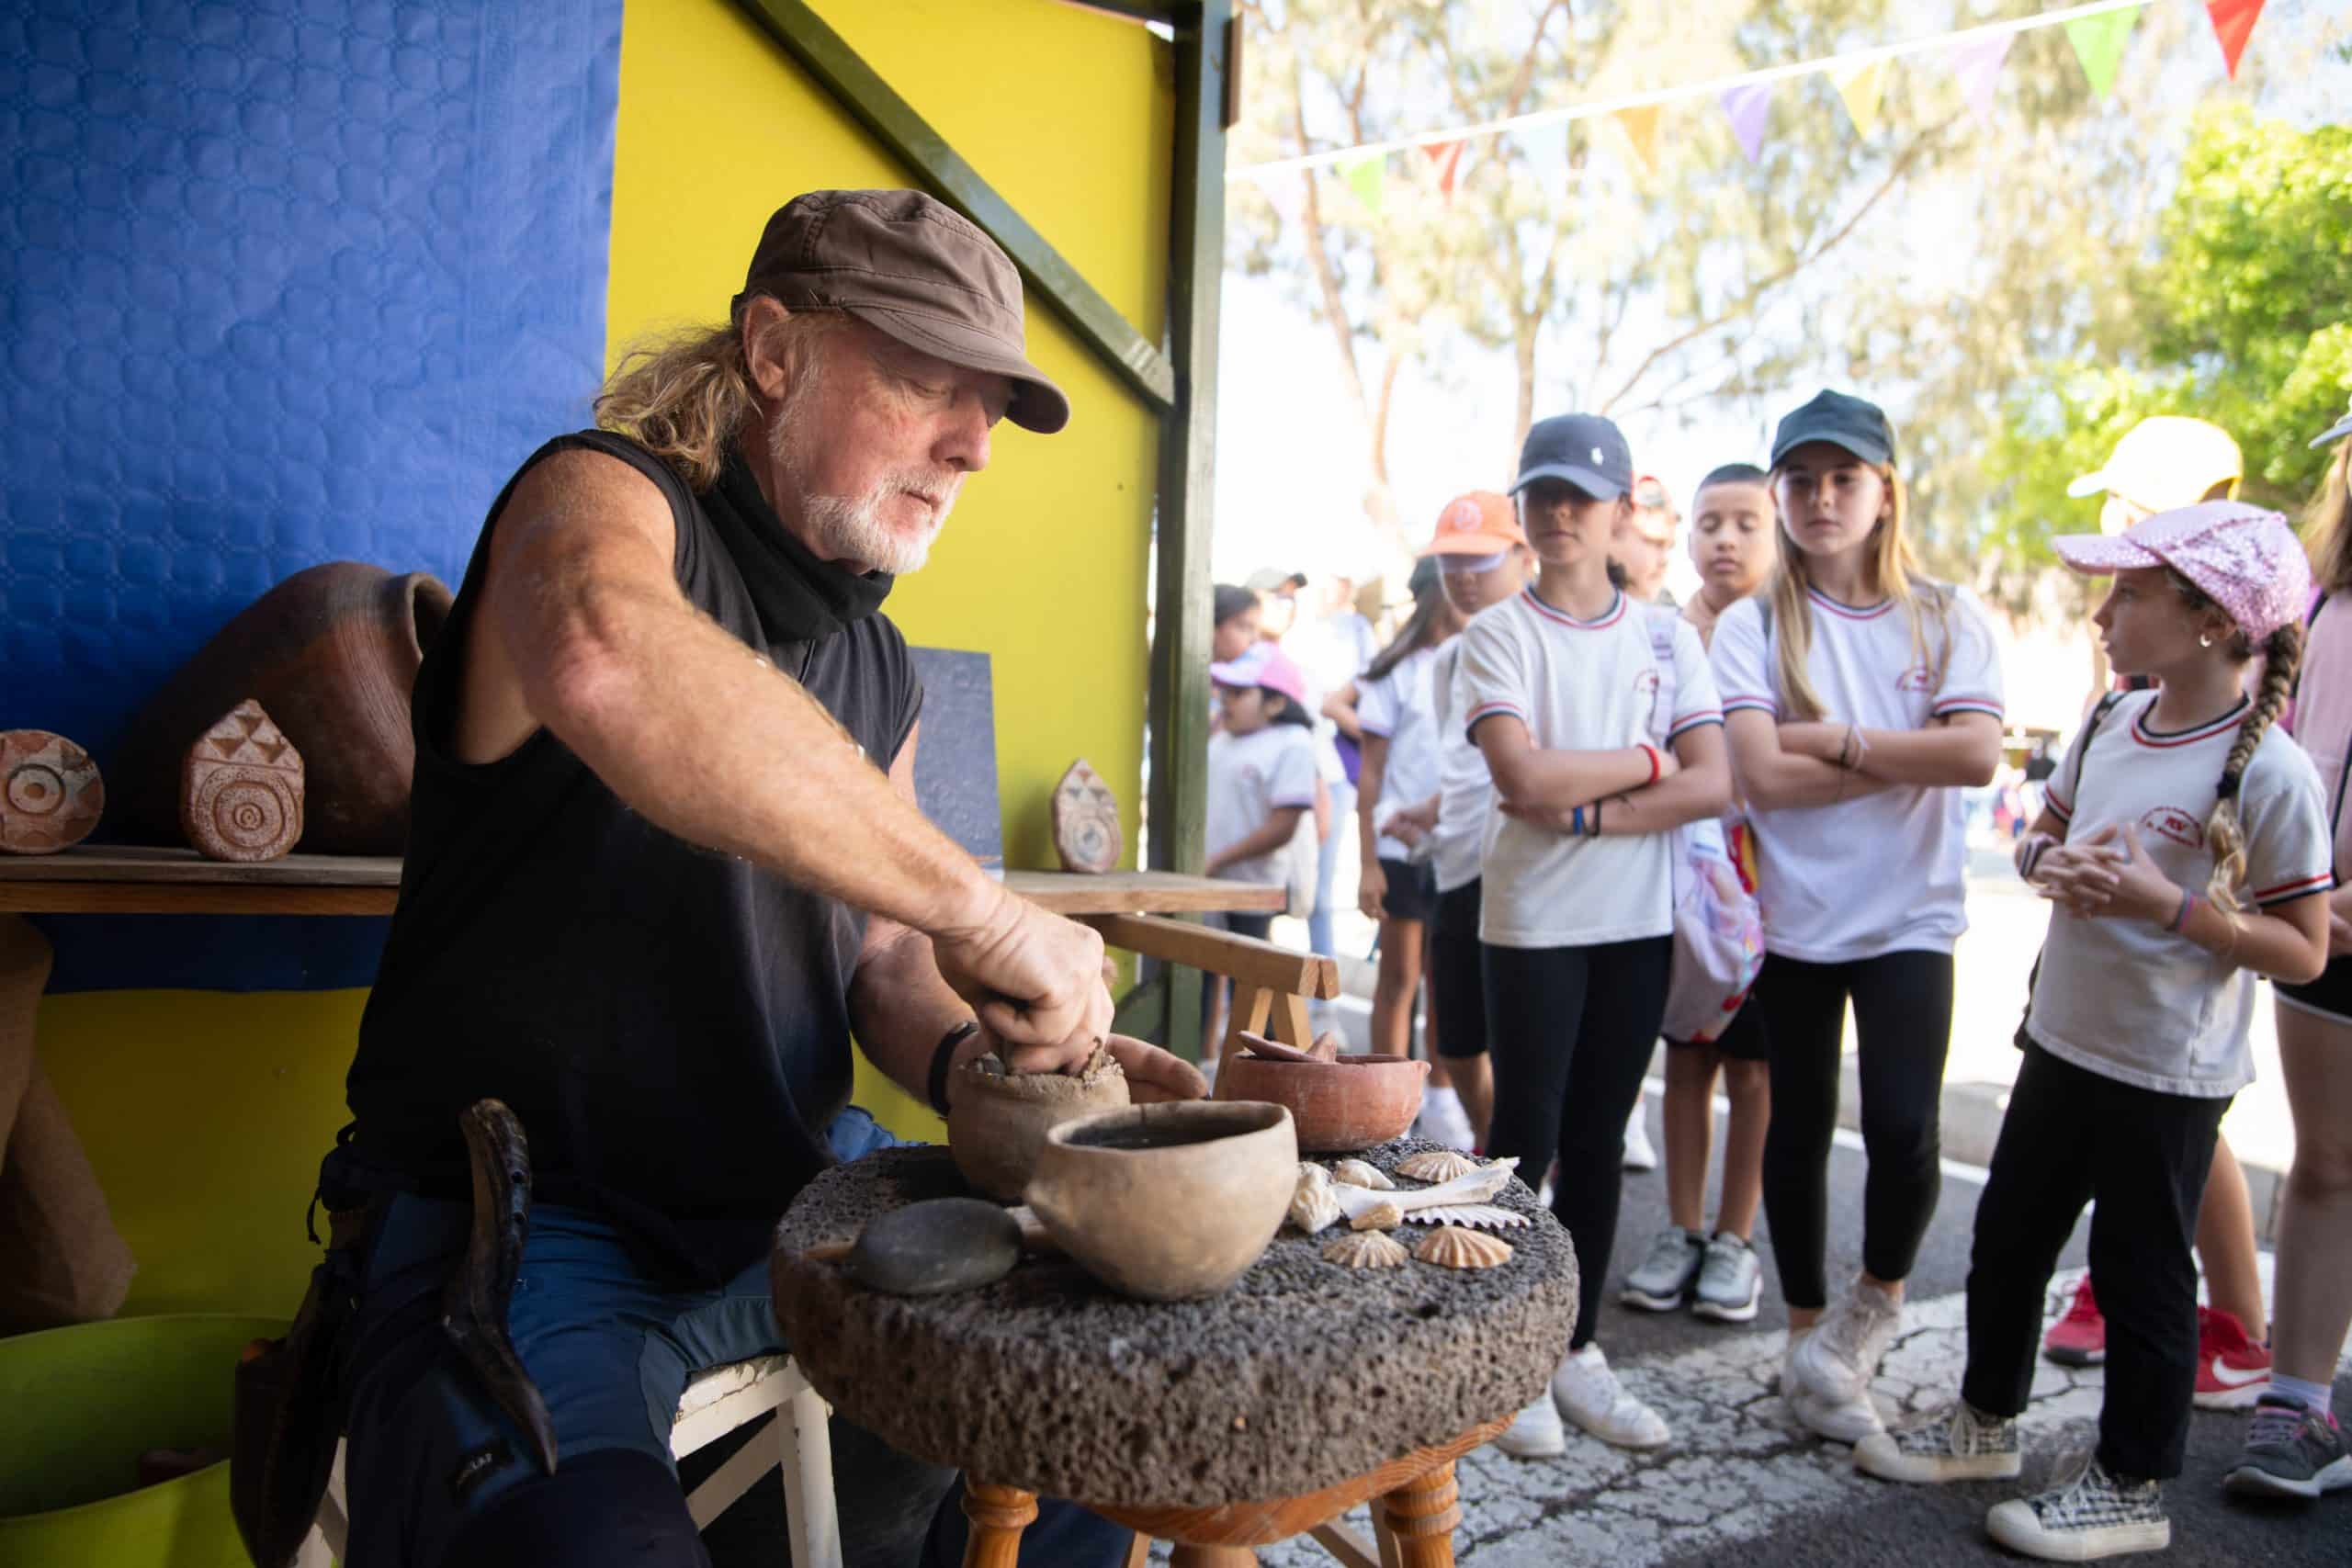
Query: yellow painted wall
(206, 1114)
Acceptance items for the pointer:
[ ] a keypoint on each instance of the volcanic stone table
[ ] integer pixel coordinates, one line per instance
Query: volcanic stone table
(1219, 1425)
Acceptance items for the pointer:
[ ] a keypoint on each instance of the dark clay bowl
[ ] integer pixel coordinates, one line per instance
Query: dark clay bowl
(1340, 1106)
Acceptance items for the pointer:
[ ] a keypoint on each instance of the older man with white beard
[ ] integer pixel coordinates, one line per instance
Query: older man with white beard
(665, 861)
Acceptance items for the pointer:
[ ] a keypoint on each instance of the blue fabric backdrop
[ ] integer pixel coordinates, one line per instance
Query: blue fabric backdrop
(281, 283)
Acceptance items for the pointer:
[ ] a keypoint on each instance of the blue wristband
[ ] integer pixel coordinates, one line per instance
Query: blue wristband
(1576, 821)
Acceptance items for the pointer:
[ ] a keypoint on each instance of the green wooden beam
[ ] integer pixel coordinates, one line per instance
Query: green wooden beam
(1179, 646)
(892, 122)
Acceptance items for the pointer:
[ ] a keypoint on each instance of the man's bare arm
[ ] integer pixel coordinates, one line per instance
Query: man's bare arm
(583, 630)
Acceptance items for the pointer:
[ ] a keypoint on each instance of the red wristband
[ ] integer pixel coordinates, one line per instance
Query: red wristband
(1651, 752)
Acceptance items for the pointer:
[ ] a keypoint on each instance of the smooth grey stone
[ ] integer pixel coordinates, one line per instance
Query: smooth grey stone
(934, 1247)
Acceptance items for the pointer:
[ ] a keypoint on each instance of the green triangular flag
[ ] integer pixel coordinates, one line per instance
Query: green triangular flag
(1368, 178)
(2098, 44)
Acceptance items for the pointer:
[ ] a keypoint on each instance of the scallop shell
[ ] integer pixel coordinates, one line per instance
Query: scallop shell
(1379, 1217)
(1483, 1216)
(1437, 1164)
(1364, 1250)
(1312, 1207)
(1454, 1247)
(1355, 1173)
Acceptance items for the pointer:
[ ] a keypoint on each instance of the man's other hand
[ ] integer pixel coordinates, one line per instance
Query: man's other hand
(1153, 1075)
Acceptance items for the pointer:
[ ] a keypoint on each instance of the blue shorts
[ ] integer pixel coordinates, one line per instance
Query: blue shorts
(436, 1474)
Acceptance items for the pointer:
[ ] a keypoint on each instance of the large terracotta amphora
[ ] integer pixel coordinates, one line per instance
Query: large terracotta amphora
(331, 653)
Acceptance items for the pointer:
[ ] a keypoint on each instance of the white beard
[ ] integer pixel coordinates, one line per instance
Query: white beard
(851, 527)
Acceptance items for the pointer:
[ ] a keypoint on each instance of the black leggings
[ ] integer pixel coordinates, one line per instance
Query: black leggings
(1571, 1030)
(1902, 1020)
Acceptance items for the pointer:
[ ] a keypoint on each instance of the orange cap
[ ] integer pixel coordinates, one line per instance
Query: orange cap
(1479, 524)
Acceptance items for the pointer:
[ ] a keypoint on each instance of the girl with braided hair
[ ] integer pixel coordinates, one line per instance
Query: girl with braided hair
(2185, 842)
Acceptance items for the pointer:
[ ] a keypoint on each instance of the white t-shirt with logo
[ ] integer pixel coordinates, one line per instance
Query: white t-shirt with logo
(1399, 709)
(1251, 777)
(2124, 997)
(1882, 873)
(1578, 687)
(1465, 787)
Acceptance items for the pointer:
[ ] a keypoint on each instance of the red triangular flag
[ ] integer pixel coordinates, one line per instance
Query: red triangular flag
(2232, 24)
(1447, 156)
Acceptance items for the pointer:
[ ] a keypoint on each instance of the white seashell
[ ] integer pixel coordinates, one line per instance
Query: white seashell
(1312, 1206)
(1454, 1247)
(1379, 1217)
(1437, 1164)
(1355, 1173)
(1483, 1216)
(1364, 1250)
(1310, 1171)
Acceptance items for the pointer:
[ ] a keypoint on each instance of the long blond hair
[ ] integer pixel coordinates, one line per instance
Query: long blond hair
(1895, 567)
(2283, 655)
(2327, 526)
(686, 400)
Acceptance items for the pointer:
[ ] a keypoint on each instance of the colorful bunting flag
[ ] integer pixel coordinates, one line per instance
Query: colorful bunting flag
(1640, 126)
(1447, 156)
(1977, 64)
(1860, 85)
(2232, 25)
(1368, 178)
(2098, 45)
(1748, 108)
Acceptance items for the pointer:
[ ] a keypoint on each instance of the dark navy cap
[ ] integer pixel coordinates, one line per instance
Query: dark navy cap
(1580, 449)
(1859, 427)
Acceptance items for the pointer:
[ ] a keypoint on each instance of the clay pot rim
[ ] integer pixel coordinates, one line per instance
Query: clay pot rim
(1249, 1117)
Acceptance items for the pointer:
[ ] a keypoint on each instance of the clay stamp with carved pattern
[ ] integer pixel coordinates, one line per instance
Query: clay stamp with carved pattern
(241, 788)
(51, 795)
(1086, 821)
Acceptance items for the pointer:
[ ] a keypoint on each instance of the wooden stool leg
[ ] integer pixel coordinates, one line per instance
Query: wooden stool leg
(998, 1514)
(1422, 1515)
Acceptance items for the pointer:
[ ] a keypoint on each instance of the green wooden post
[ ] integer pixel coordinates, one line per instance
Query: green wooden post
(1179, 645)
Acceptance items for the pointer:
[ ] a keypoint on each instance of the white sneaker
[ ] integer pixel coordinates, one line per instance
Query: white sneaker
(1840, 1421)
(1837, 1360)
(1639, 1153)
(1442, 1119)
(1956, 1443)
(1590, 1394)
(1535, 1432)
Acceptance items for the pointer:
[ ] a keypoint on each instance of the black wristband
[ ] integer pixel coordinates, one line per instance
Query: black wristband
(942, 1055)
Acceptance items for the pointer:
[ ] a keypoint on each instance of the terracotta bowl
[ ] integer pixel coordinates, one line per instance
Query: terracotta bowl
(1341, 1106)
(1167, 1202)
(997, 1123)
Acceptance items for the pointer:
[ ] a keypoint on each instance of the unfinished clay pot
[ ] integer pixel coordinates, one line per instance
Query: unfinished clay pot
(332, 653)
(1086, 821)
(241, 788)
(1341, 1106)
(51, 795)
(997, 1122)
(1171, 1202)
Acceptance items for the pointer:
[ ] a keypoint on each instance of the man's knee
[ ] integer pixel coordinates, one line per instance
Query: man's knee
(614, 1507)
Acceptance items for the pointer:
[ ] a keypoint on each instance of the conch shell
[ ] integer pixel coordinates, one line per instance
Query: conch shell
(1312, 1206)
(1437, 1164)
(1381, 1217)
(1454, 1247)
(1483, 1216)
(1364, 1250)
(1356, 1173)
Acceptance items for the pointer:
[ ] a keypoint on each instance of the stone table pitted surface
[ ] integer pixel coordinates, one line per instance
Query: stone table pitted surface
(1303, 1375)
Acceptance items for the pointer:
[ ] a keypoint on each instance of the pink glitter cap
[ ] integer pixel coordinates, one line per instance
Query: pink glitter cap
(2244, 559)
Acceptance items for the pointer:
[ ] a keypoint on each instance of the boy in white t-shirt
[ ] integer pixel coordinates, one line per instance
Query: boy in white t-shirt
(1261, 779)
(1565, 692)
(2186, 842)
(1860, 698)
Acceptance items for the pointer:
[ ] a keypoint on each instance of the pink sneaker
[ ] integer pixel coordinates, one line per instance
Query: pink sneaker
(2079, 1338)
(2233, 1371)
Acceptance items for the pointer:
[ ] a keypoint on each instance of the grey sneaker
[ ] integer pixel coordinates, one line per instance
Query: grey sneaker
(1956, 1443)
(1839, 1358)
(2086, 1515)
(2290, 1452)
(1730, 1280)
(1665, 1276)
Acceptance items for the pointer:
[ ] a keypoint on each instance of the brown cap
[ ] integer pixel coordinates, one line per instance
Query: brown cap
(912, 267)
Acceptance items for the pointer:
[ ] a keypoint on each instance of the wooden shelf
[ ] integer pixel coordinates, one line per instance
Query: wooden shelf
(124, 880)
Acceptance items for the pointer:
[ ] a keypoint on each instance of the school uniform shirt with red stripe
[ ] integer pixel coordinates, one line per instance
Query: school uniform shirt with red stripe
(1883, 872)
(1398, 708)
(2124, 997)
(1465, 787)
(1579, 686)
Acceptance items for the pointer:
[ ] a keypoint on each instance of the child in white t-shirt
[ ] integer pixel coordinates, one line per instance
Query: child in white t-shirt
(1261, 778)
(2185, 841)
(1596, 752)
(1861, 698)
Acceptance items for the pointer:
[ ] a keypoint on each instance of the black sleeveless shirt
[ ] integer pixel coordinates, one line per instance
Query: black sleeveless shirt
(671, 1024)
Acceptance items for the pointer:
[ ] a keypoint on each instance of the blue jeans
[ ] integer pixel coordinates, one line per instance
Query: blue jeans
(438, 1475)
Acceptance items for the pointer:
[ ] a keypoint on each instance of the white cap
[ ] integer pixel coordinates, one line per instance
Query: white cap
(2166, 462)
